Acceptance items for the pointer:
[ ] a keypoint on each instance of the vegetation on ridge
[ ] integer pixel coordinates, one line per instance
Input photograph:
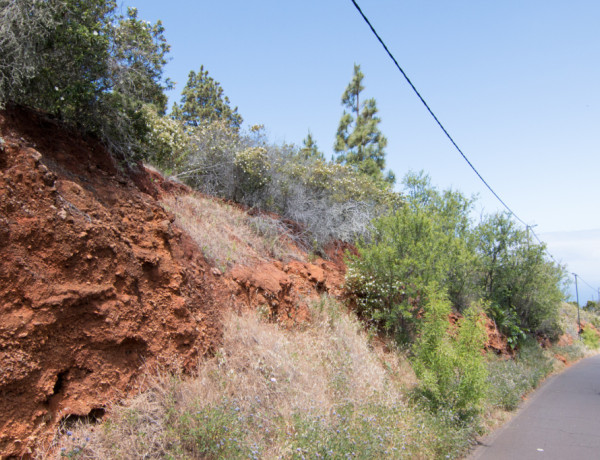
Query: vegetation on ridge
(326, 390)
(86, 64)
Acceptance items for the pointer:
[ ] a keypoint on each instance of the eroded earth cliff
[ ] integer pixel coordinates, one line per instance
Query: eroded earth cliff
(95, 281)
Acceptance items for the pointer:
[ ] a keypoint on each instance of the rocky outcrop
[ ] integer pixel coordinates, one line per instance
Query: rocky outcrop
(95, 281)
(283, 291)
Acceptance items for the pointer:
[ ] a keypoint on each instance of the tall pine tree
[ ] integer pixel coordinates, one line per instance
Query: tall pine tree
(202, 100)
(359, 142)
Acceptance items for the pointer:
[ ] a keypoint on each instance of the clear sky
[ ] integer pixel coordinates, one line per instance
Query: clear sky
(516, 83)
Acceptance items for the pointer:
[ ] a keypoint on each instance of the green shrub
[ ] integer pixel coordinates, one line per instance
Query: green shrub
(590, 338)
(508, 323)
(524, 287)
(449, 363)
(510, 379)
(539, 363)
(425, 241)
(167, 143)
(507, 383)
(252, 172)
(215, 432)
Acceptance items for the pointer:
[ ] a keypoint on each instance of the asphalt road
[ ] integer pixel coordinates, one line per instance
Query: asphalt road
(561, 420)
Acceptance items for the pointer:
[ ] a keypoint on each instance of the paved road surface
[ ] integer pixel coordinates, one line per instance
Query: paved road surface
(560, 421)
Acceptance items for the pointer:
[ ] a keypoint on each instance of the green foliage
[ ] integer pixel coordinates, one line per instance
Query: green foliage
(539, 363)
(86, 64)
(215, 432)
(510, 379)
(167, 142)
(202, 101)
(432, 239)
(508, 323)
(138, 56)
(425, 241)
(592, 306)
(590, 338)
(25, 26)
(359, 142)
(69, 60)
(518, 280)
(371, 431)
(449, 363)
(252, 172)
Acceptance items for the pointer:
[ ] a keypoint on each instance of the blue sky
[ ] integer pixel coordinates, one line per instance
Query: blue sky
(515, 82)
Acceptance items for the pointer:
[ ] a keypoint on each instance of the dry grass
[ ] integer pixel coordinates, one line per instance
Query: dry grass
(269, 393)
(325, 390)
(227, 235)
(314, 369)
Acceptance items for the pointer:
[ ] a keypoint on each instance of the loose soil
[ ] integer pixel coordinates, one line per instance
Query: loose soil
(95, 281)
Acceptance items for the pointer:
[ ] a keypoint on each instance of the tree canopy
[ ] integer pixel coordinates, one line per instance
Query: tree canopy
(309, 149)
(86, 64)
(202, 101)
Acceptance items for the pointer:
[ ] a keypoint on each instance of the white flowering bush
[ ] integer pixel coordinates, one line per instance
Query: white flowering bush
(209, 162)
(166, 143)
(252, 172)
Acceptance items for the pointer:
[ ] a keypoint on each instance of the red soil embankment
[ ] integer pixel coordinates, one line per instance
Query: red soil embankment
(95, 281)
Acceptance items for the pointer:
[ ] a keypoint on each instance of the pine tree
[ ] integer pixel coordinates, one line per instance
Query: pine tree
(310, 149)
(202, 100)
(359, 141)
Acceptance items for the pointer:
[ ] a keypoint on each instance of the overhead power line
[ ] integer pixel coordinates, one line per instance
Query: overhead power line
(527, 226)
(586, 283)
(434, 116)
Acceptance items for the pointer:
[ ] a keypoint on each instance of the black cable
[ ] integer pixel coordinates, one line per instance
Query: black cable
(585, 282)
(448, 134)
(433, 114)
(541, 242)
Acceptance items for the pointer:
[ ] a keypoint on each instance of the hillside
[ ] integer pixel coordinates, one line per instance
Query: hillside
(173, 284)
(97, 281)
(94, 280)
(119, 288)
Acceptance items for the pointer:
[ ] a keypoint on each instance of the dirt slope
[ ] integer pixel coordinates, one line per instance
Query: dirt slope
(97, 280)
(94, 280)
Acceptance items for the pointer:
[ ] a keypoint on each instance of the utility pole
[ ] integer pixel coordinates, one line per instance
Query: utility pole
(578, 317)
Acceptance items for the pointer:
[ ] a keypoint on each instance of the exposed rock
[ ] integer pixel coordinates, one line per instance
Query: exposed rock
(286, 289)
(93, 282)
